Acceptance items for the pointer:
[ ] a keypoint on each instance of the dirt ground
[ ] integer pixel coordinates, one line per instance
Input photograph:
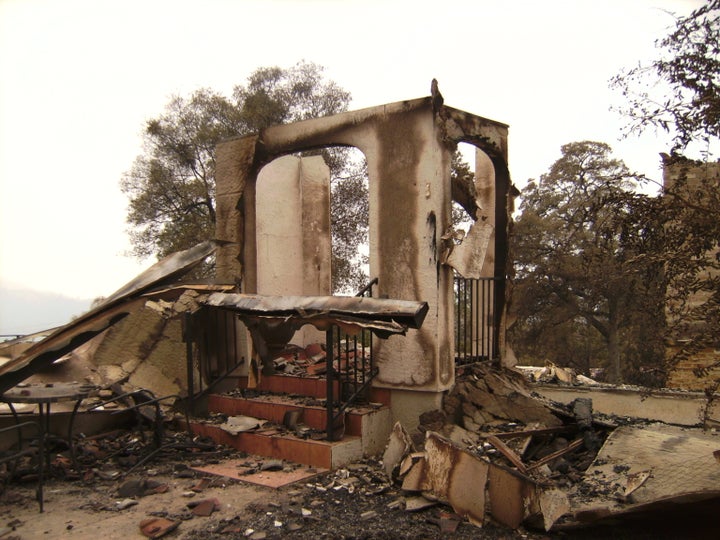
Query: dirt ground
(251, 497)
(304, 509)
(322, 506)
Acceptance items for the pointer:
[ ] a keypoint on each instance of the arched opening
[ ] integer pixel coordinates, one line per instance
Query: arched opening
(350, 222)
(311, 237)
(313, 223)
(475, 301)
(462, 172)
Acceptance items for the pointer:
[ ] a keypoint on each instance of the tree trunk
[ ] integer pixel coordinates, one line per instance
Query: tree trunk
(613, 343)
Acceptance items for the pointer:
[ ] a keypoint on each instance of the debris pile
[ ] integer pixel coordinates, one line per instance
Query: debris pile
(552, 374)
(497, 452)
(311, 360)
(350, 502)
(111, 456)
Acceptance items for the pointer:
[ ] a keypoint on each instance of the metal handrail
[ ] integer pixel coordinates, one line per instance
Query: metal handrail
(477, 318)
(361, 378)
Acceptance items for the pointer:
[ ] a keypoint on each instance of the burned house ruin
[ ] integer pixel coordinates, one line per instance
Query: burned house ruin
(408, 146)
(377, 374)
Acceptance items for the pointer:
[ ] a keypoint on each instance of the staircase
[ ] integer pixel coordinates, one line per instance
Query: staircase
(283, 400)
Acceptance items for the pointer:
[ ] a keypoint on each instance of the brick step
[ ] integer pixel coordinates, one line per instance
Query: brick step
(279, 444)
(315, 387)
(273, 407)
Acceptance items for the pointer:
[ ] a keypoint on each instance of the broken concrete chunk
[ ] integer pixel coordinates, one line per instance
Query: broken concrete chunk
(132, 488)
(554, 504)
(415, 504)
(468, 257)
(398, 447)
(272, 465)
(238, 424)
(125, 503)
(107, 475)
(456, 476)
(582, 410)
(416, 478)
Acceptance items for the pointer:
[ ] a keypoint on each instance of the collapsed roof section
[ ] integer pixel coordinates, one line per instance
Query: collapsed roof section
(272, 320)
(382, 316)
(116, 307)
(262, 314)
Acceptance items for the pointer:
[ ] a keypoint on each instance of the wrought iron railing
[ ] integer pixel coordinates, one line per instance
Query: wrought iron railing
(212, 349)
(477, 303)
(350, 370)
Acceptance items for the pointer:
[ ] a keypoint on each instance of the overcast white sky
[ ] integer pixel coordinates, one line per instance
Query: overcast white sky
(80, 77)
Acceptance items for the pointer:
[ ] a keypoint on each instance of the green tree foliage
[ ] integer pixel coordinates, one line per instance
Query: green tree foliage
(679, 92)
(171, 185)
(581, 282)
(349, 223)
(461, 175)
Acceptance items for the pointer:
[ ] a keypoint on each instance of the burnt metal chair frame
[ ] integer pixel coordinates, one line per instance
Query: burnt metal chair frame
(29, 451)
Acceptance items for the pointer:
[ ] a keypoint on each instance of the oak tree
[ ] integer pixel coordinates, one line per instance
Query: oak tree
(679, 92)
(580, 281)
(171, 185)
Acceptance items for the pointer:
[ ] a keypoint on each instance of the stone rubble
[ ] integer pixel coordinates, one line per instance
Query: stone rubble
(532, 462)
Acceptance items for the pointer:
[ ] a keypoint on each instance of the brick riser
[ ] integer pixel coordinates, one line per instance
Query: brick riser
(281, 445)
(322, 454)
(306, 386)
(313, 417)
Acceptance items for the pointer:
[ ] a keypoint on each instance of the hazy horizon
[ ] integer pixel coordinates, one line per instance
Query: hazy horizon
(26, 311)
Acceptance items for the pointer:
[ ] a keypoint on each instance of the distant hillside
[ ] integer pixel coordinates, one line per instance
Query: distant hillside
(24, 311)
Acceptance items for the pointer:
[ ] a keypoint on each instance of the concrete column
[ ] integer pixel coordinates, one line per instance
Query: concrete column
(486, 195)
(232, 186)
(409, 210)
(292, 202)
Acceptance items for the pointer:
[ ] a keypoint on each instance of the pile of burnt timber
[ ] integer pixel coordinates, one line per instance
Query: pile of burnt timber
(497, 452)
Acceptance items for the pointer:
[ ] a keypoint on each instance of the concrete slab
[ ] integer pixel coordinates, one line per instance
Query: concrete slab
(671, 407)
(274, 479)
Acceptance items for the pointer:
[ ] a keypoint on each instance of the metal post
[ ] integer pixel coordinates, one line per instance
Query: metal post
(330, 382)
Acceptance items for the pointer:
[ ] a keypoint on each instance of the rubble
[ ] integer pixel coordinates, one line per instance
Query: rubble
(646, 466)
(485, 396)
(205, 507)
(116, 307)
(310, 361)
(238, 424)
(554, 374)
(156, 527)
(536, 464)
